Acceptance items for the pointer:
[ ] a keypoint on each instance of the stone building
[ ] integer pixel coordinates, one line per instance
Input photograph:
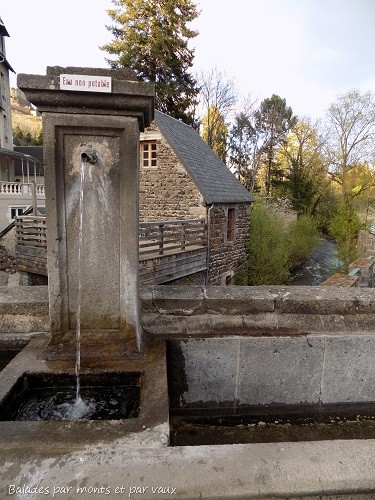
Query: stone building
(181, 178)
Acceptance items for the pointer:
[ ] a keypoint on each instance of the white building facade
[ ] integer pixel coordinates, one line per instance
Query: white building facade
(16, 187)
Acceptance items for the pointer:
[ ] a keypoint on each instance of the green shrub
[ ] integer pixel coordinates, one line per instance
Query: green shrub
(303, 236)
(275, 250)
(268, 252)
(343, 228)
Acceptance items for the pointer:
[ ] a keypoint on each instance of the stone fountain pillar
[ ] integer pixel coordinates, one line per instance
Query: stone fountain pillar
(96, 112)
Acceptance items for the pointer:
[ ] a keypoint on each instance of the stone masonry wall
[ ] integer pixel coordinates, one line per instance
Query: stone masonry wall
(167, 191)
(227, 257)
(366, 242)
(234, 347)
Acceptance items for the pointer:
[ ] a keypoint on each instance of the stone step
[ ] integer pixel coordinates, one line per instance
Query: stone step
(23, 310)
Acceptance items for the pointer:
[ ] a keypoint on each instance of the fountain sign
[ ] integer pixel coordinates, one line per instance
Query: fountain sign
(86, 83)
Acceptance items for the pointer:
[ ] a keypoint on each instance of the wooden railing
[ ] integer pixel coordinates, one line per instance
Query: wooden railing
(167, 250)
(31, 231)
(154, 237)
(169, 237)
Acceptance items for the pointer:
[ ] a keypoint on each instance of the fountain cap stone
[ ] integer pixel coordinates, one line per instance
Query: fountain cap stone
(127, 96)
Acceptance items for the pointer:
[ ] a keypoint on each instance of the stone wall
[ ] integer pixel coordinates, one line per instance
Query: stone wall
(172, 312)
(234, 348)
(7, 261)
(361, 273)
(227, 257)
(366, 242)
(167, 191)
(282, 209)
(232, 375)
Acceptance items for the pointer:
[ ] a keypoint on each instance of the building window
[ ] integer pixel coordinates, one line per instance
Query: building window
(227, 278)
(231, 224)
(5, 122)
(148, 154)
(15, 212)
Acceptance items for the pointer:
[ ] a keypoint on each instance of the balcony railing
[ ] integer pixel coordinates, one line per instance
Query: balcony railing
(167, 249)
(20, 188)
(161, 238)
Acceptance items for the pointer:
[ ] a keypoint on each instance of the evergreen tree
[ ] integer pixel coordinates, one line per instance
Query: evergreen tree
(274, 119)
(241, 143)
(151, 37)
(245, 152)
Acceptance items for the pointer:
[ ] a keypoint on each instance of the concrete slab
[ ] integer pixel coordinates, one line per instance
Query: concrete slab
(119, 469)
(211, 371)
(280, 370)
(349, 370)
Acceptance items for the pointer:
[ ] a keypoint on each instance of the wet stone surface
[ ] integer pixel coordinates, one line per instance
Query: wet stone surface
(353, 423)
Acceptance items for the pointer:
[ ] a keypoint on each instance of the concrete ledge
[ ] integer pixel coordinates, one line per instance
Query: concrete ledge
(24, 299)
(196, 311)
(24, 309)
(313, 470)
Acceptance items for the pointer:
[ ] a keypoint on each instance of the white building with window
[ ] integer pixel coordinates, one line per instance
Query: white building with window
(19, 170)
(6, 137)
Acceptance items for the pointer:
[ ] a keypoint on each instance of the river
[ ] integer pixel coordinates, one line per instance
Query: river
(322, 262)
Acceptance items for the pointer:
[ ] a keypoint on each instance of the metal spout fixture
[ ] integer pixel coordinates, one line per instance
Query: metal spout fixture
(89, 157)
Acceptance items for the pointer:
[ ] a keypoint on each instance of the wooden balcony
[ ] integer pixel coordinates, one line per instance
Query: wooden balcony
(171, 250)
(168, 250)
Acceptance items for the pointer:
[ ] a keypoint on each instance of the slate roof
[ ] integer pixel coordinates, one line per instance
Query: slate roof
(34, 151)
(4, 32)
(211, 176)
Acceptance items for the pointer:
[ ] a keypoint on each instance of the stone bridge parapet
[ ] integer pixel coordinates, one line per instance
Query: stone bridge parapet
(198, 311)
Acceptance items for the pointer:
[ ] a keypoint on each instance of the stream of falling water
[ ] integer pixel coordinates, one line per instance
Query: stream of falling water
(79, 408)
(79, 294)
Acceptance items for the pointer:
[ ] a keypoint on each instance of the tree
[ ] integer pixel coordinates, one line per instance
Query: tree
(217, 96)
(344, 227)
(274, 119)
(306, 179)
(215, 132)
(244, 145)
(151, 37)
(25, 138)
(350, 140)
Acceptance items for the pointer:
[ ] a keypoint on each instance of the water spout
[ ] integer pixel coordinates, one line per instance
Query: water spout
(89, 157)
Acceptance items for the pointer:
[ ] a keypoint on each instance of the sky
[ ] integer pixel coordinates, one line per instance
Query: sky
(306, 51)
